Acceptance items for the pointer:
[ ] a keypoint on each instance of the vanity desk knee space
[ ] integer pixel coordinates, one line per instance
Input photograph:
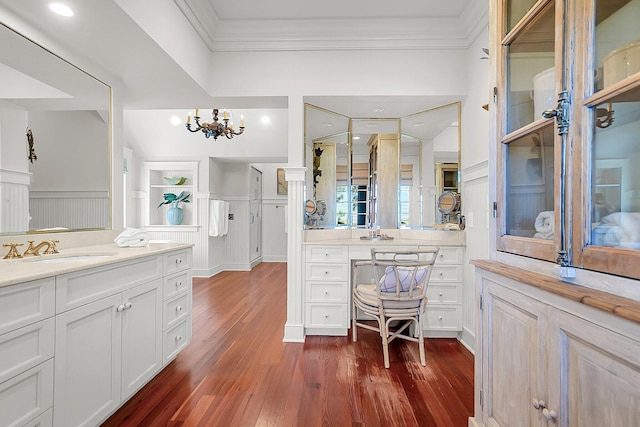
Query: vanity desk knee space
(328, 257)
(83, 330)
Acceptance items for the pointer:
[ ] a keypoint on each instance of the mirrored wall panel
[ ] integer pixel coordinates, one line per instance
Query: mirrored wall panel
(54, 142)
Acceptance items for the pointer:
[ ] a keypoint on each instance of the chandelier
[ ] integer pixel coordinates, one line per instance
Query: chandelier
(215, 128)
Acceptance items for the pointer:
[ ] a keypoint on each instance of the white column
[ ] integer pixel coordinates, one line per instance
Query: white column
(294, 328)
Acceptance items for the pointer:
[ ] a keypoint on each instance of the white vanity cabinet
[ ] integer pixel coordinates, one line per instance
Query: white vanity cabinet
(110, 343)
(26, 353)
(444, 308)
(176, 305)
(327, 290)
(545, 360)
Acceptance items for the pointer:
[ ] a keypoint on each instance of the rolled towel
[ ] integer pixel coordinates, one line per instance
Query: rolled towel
(545, 222)
(622, 228)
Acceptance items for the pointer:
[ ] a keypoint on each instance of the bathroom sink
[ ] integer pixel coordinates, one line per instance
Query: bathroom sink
(55, 259)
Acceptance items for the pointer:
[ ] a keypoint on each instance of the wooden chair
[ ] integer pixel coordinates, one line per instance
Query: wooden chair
(396, 294)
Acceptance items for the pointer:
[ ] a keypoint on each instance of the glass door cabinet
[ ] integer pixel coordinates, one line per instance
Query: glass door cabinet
(567, 103)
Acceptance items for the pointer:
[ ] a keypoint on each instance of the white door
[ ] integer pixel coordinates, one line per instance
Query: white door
(87, 363)
(141, 335)
(255, 215)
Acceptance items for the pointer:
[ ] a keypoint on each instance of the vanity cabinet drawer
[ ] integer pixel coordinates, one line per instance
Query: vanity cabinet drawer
(175, 339)
(444, 294)
(27, 395)
(450, 255)
(328, 292)
(44, 420)
(26, 347)
(328, 272)
(327, 315)
(446, 273)
(176, 309)
(446, 318)
(338, 254)
(26, 303)
(85, 286)
(177, 261)
(177, 284)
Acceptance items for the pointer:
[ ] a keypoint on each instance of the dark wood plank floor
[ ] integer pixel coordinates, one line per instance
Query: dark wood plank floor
(238, 372)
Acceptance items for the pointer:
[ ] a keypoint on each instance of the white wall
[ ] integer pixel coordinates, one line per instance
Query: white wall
(474, 176)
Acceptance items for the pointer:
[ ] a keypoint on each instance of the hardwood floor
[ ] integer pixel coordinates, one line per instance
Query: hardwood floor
(238, 372)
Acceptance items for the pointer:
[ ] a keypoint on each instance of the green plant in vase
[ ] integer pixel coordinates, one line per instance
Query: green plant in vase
(175, 214)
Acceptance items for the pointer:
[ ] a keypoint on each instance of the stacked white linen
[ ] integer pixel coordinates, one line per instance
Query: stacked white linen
(544, 226)
(620, 229)
(132, 237)
(218, 218)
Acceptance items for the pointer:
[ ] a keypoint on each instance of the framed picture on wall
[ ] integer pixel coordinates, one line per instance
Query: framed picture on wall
(282, 185)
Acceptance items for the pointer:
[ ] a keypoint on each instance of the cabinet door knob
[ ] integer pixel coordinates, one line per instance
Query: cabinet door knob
(439, 317)
(179, 308)
(120, 308)
(539, 404)
(178, 261)
(439, 293)
(128, 306)
(178, 337)
(549, 415)
(178, 284)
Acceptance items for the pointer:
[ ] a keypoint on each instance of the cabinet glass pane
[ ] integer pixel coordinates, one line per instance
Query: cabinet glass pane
(530, 71)
(529, 187)
(617, 51)
(615, 186)
(516, 9)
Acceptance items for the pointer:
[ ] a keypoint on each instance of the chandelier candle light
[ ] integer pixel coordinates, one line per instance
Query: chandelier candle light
(215, 128)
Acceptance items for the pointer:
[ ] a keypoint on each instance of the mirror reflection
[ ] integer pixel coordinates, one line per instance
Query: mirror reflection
(382, 172)
(54, 144)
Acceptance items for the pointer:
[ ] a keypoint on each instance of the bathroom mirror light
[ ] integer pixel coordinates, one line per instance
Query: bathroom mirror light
(69, 114)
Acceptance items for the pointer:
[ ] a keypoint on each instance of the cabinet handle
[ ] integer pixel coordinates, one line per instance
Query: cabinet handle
(326, 316)
(439, 293)
(326, 272)
(120, 308)
(439, 317)
(178, 284)
(539, 404)
(178, 261)
(128, 306)
(179, 308)
(549, 415)
(326, 292)
(178, 338)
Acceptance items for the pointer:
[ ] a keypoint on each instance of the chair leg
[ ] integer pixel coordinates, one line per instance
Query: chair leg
(384, 335)
(423, 360)
(354, 328)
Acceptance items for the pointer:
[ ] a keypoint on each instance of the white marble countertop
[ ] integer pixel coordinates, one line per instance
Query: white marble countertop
(401, 237)
(25, 269)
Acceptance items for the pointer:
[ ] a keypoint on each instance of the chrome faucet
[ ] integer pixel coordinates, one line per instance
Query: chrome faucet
(35, 250)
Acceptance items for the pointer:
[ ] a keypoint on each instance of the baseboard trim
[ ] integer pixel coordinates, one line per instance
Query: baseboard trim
(293, 333)
(468, 339)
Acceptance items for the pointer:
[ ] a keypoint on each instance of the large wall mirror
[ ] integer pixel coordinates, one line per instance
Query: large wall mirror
(55, 145)
(381, 172)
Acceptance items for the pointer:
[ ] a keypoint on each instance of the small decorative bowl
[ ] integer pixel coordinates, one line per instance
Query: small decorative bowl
(175, 181)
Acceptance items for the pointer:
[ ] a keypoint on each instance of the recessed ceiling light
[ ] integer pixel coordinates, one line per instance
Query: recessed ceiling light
(378, 109)
(60, 9)
(266, 120)
(418, 124)
(175, 120)
(371, 125)
(356, 137)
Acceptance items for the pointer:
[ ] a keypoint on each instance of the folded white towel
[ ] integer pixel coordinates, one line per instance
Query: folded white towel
(621, 228)
(218, 218)
(132, 237)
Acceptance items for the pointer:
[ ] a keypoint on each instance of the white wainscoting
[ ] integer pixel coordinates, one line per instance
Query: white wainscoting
(274, 230)
(69, 209)
(14, 201)
(475, 206)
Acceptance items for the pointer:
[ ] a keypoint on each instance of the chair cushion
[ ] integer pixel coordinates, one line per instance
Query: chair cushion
(368, 294)
(388, 280)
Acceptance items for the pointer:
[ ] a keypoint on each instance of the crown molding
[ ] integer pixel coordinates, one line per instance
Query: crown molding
(333, 34)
